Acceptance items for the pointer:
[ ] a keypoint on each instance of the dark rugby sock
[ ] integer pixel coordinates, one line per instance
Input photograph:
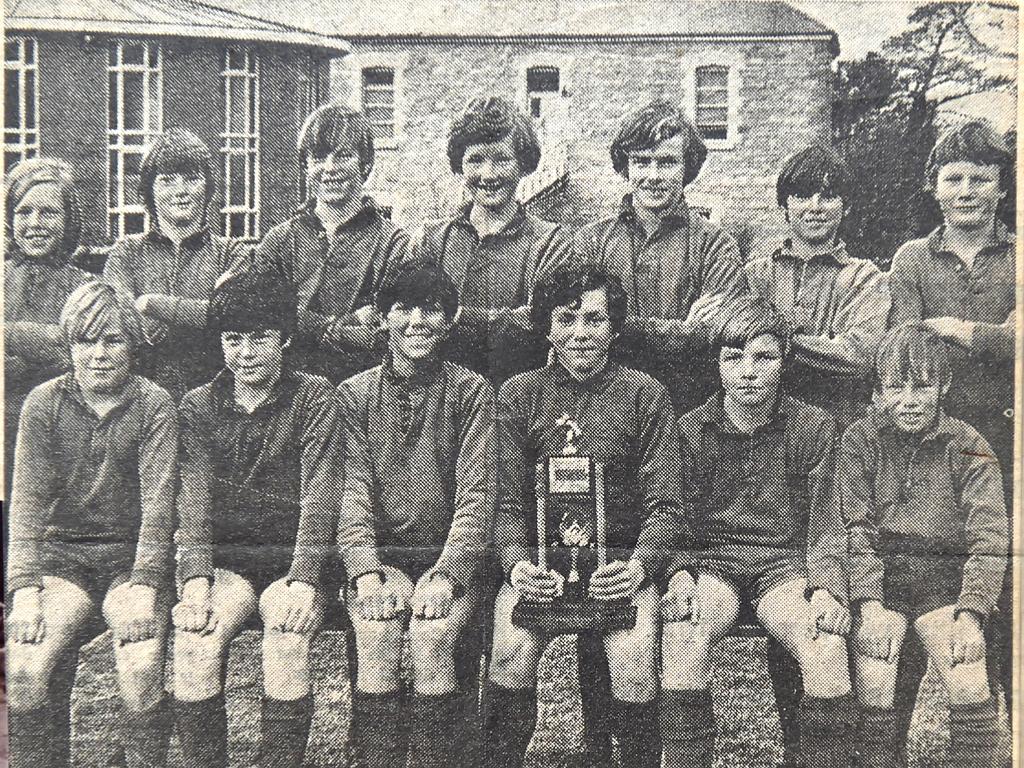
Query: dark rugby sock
(826, 730)
(636, 729)
(687, 729)
(203, 732)
(30, 737)
(145, 736)
(62, 681)
(433, 730)
(510, 717)
(974, 735)
(284, 731)
(876, 741)
(378, 735)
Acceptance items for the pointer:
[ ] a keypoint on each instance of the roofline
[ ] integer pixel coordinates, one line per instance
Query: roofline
(81, 26)
(737, 37)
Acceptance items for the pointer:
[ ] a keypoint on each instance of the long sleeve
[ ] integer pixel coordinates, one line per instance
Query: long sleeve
(723, 265)
(38, 343)
(510, 524)
(194, 505)
(683, 555)
(826, 536)
(557, 251)
(120, 267)
(995, 340)
(157, 485)
(854, 477)
(905, 286)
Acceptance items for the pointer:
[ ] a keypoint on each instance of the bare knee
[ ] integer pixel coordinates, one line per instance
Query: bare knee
(686, 655)
(284, 648)
(27, 680)
(197, 665)
(140, 673)
(824, 665)
(634, 683)
(431, 645)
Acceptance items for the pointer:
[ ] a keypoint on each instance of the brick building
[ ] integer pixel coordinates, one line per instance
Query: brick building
(91, 82)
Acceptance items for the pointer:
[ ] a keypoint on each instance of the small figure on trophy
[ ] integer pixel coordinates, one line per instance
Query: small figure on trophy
(576, 535)
(572, 431)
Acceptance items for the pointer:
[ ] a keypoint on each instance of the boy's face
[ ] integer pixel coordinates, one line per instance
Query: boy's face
(254, 357)
(968, 194)
(815, 220)
(179, 198)
(582, 335)
(913, 405)
(656, 174)
(751, 376)
(414, 332)
(39, 221)
(335, 178)
(491, 173)
(102, 362)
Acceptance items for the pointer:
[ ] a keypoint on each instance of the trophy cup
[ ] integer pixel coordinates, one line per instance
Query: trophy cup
(571, 539)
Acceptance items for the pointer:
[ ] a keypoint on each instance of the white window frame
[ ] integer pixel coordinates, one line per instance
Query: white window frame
(352, 67)
(713, 203)
(118, 148)
(564, 65)
(26, 143)
(242, 146)
(731, 63)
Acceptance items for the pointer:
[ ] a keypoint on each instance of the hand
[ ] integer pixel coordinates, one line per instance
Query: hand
(141, 614)
(875, 637)
(828, 615)
(194, 613)
(967, 645)
(26, 624)
(297, 616)
(952, 329)
(367, 315)
(680, 602)
(706, 308)
(433, 597)
(144, 303)
(376, 599)
(617, 580)
(520, 317)
(535, 584)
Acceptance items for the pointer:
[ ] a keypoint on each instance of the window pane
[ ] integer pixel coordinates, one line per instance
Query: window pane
(712, 76)
(133, 102)
(712, 115)
(155, 110)
(12, 50)
(236, 119)
(30, 51)
(112, 201)
(10, 158)
(250, 190)
(115, 227)
(112, 100)
(133, 53)
(154, 57)
(380, 114)
(378, 76)
(112, 55)
(382, 131)
(132, 176)
(30, 99)
(714, 132)
(535, 106)
(236, 181)
(254, 121)
(12, 104)
(236, 225)
(542, 79)
(236, 59)
(134, 222)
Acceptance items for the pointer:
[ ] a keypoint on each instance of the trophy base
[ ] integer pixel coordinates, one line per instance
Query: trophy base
(571, 617)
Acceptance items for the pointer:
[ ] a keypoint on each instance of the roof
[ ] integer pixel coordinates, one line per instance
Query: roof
(579, 19)
(175, 18)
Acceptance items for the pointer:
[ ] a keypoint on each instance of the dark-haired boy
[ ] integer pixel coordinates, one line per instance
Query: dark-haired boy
(757, 470)
(494, 250)
(259, 464)
(415, 520)
(625, 420)
(923, 501)
(337, 248)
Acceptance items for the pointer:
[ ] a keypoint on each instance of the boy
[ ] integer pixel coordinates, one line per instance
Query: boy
(92, 511)
(757, 468)
(494, 250)
(415, 521)
(336, 249)
(626, 421)
(928, 534)
(257, 510)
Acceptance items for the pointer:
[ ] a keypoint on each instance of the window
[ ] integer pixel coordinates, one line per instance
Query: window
(711, 107)
(378, 101)
(241, 144)
(21, 100)
(542, 83)
(135, 117)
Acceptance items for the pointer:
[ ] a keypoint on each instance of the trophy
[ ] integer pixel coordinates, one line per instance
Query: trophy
(571, 539)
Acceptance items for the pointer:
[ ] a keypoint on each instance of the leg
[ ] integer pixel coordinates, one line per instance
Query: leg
(510, 706)
(146, 729)
(788, 687)
(596, 699)
(879, 738)
(687, 715)
(36, 735)
(912, 667)
(632, 662)
(287, 706)
(377, 731)
(199, 667)
(827, 711)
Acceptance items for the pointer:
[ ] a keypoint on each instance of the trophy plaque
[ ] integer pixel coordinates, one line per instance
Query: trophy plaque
(571, 540)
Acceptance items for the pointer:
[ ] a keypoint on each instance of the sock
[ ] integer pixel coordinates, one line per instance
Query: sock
(596, 699)
(62, 681)
(787, 684)
(378, 734)
(974, 735)
(636, 728)
(433, 730)
(877, 738)
(30, 737)
(284, 731)
(826, 728)
(145, 736)
(509, 721)
(687, 729)
(203, 732)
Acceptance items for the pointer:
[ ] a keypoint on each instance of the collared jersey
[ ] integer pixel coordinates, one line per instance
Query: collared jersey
(419, 470)
(79, 477)
(942, 489)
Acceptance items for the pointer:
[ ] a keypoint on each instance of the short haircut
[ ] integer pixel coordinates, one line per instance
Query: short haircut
(254, 299)
(29, 173)
(97, 305)
(175, 151)
(644, 129)
(973, 142)
(566, 286)
(332, 126)
(420, 283)
(811, 170)
(488, 119)
(744, 319)
(912, 352)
